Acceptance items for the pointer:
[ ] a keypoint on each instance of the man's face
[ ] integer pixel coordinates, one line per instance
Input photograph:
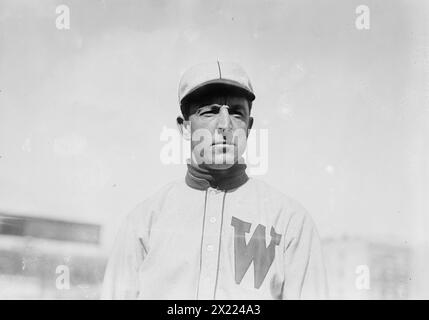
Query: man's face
(219, 128)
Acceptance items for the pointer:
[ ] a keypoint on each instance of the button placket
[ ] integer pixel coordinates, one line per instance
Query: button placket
(210, 244)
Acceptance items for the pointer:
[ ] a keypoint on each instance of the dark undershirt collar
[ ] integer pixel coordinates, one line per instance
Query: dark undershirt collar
(202, 178)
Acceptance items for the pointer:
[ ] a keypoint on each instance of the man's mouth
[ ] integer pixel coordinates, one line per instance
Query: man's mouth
(223, 146)
(224, 143)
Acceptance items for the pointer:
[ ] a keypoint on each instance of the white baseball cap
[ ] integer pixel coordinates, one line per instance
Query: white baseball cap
(226, 73)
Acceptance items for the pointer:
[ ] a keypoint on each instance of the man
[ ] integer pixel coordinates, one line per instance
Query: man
(217, 234)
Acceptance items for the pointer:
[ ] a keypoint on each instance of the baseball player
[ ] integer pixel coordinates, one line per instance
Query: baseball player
(216, 234)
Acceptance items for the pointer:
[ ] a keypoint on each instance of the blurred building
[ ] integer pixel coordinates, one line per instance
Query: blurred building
(362, 269)
(49, 259)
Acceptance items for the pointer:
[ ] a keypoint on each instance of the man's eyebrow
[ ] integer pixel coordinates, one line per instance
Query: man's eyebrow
(208, 107)
(236, 107)
(211, 105)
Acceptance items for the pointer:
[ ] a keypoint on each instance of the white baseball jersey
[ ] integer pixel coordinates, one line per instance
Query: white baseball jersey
(252, 242)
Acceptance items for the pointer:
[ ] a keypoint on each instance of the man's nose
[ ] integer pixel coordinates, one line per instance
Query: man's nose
(224, 120)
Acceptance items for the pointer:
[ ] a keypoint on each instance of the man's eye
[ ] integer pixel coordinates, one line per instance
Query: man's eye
(206, 113)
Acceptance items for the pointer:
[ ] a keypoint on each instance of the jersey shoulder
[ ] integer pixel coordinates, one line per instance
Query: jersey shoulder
(272, 193)
(153, 202)
(291, 211)
(278, 199)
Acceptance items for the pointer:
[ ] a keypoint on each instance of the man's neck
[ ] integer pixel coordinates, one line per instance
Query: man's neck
(201, 177)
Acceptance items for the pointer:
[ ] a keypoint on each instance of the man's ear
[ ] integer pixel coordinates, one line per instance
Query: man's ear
(250, 125)
(184, 127)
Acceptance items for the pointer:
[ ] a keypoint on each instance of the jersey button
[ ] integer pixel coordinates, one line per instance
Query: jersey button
(212, 219)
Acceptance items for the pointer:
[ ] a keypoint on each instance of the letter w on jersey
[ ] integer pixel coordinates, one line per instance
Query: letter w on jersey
(255, 251)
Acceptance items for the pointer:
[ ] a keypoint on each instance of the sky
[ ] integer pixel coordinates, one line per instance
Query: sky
(346, 110)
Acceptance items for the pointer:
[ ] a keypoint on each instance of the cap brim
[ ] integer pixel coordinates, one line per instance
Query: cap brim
(223, 83)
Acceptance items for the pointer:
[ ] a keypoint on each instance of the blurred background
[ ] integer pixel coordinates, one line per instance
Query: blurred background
(82, 111)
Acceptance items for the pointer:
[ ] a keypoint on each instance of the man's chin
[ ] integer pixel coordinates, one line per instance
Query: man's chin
(221, 162)
(222, 166)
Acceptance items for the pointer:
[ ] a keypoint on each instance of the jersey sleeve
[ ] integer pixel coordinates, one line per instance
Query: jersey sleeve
(305, 274)
(121, 280)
